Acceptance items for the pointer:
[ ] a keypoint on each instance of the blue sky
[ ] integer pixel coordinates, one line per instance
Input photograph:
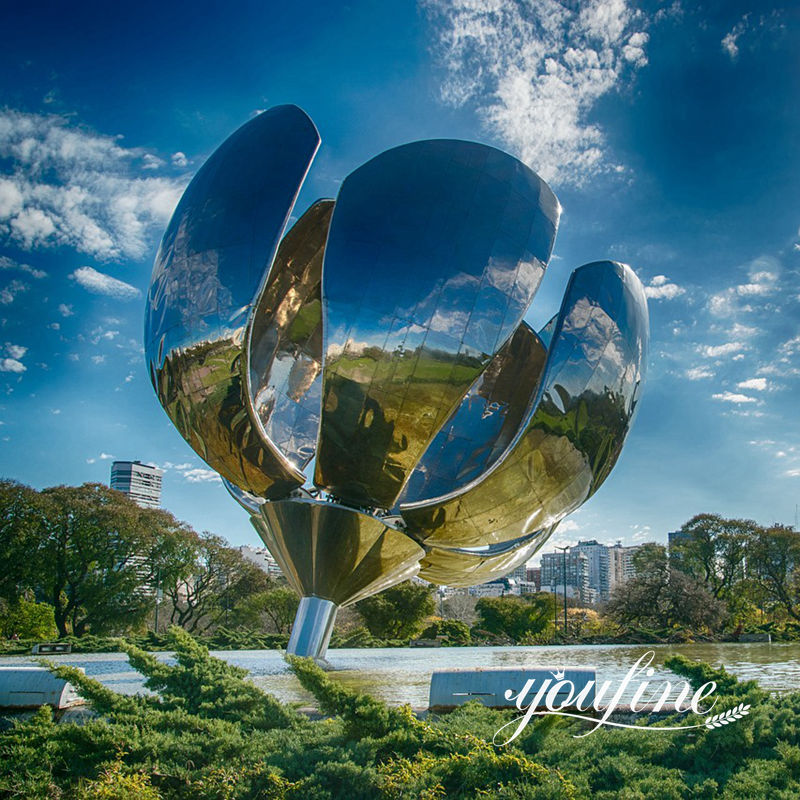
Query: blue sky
(668, 131)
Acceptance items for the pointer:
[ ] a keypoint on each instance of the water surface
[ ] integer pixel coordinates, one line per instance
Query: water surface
(402, 675)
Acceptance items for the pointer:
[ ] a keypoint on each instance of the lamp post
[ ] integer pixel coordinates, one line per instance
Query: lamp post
(158, 582)
(564, 574)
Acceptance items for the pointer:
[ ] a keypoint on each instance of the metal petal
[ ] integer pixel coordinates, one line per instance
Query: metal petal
(285, 340)
(435, 251)
(213, 258)
(334, 552)
(487, 419)
(573, 437)
(461, 567)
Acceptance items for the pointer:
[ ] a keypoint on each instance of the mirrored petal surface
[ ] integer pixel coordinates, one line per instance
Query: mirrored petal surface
(574, 435)
(333, 552)
(483, 425)
(285, 347)
(461, 567)
(212, 261)
(435, 251)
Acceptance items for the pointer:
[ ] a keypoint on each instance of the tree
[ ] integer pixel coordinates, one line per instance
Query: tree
(20, 510)
(663, 596)
(398, 612)
(455, 631)
(516, 617)
(92, 567)
(712, 551)
(773, 561)
(278, 605)
(460, 607)
(219, 578)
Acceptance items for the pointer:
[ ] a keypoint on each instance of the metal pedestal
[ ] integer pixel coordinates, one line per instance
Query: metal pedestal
(312, 627)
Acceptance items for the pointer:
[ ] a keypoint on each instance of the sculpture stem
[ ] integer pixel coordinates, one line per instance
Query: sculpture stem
(313, 625)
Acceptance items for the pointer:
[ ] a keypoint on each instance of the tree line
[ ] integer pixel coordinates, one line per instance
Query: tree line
(87, 559)
(718, 575)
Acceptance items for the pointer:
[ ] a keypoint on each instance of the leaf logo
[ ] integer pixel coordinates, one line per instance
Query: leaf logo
(726, 717)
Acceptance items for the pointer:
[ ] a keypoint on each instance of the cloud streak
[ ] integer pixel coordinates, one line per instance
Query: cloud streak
(100, 283)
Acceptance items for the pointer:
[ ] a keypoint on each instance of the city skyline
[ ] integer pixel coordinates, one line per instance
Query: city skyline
(667, 133)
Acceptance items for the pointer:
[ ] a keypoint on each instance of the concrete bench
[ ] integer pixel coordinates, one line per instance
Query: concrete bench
(31, 687)
(42, 648)
(454, 687)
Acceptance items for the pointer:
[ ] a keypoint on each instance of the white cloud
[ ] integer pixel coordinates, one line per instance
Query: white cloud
(717, 351)
(739, 331)
(731, 397)
(792, 473)
(98, 359)
(15, 350)
(763, 276)
(100, 283)
(9, 293)
(201, 476)
(11, 365)
(9, 263)
(729, 41)
(70, 186)
(660, 288)
(65, 310)
(791, 347)
(106, 457)
(699, 373)
(535, 71)
(179, 159)
(758, 384)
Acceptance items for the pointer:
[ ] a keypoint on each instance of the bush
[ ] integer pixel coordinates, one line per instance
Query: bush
(212, 734)
(28, 620)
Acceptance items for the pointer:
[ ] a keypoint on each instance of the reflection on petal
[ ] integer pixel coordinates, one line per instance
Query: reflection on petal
(576, 428)
(460, 567)
(487, 419)
(285, 345)
(214, 256)
(434, 253)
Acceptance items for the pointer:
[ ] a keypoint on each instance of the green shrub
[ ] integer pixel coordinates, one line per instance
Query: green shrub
(210, 734)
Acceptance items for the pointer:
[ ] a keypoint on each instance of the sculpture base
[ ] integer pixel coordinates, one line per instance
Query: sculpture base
(312, 628)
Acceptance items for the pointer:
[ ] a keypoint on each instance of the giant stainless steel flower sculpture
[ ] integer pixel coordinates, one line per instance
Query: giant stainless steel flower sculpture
(366, 385)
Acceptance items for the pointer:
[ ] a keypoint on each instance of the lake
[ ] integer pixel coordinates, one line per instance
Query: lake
(402, 675)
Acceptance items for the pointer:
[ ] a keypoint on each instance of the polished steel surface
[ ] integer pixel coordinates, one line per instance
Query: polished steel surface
(380, 346)
(334, 552)
(465, 567)
(285, 340)
(487, 419)
(213, 259)
(435, 251)
(576, 427)
(312, 628)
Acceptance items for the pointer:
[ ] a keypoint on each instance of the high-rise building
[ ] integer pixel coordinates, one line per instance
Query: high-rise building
(577, 575)
(141, 482)
(262, 558)
(597, 555)
(620, 565)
